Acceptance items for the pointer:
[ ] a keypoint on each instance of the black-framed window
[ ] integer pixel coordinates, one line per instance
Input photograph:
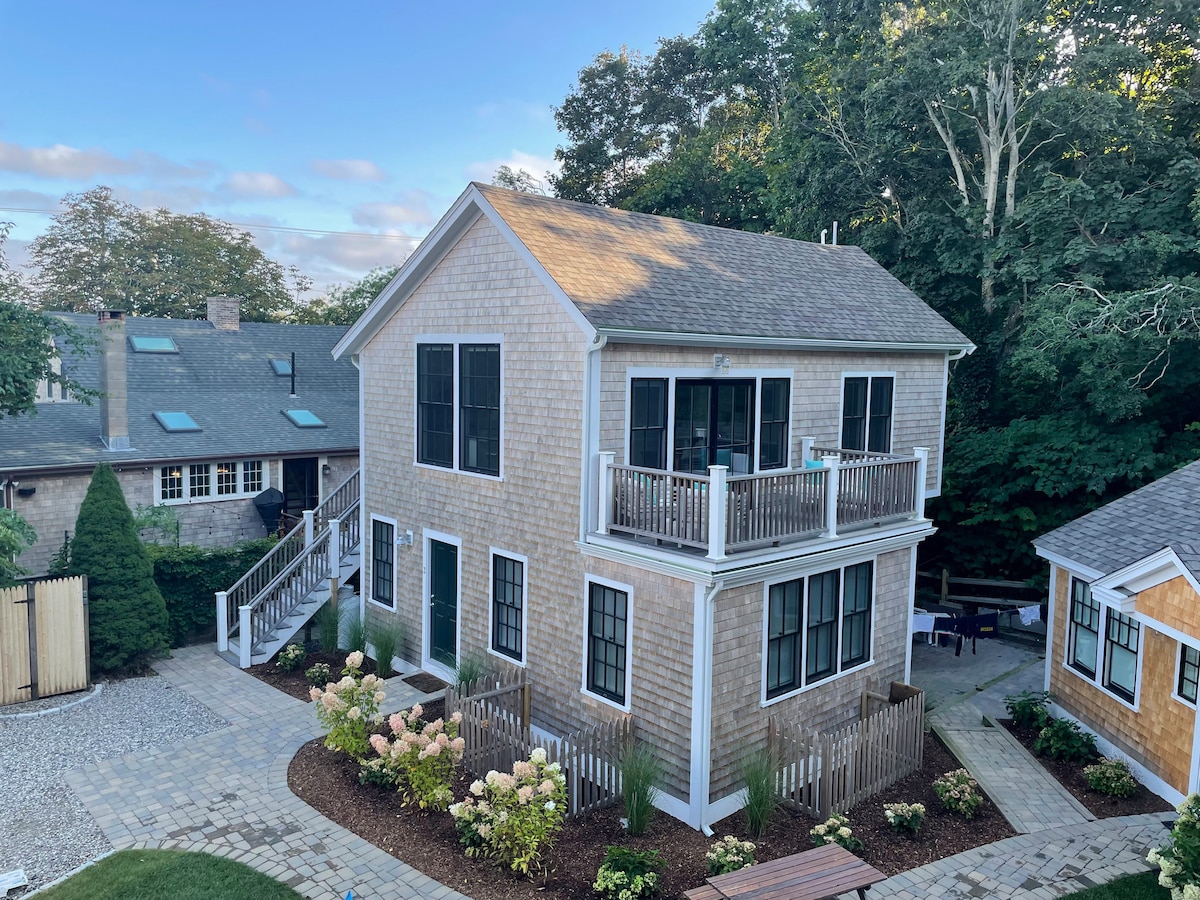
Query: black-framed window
(252, 476)
(1189, 672)
(508, 605)
(227, 478)
(1121, 654)
(774, 416)
(383, 562)
(1084, 624)
(435, 404)
(856, 614)
(784, 602)
(867, 413)
(608, 641)
(199, 480)
(172, 483)
(821, 632)
(648, 422)
(479, 396)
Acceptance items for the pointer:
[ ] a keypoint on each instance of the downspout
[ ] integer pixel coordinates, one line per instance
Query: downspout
(591, 431)
(702, 659)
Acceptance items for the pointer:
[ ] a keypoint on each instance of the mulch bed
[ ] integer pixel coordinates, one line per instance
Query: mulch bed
(328, 781)
(426, 683)
(1070, 776)
(294, 683)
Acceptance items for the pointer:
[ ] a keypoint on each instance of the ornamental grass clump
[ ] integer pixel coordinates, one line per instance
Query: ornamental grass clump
(758, 774)
(421, 761)
(347, 707)
(836, 830)
(629, 874)
(728, 855)
(1178, 860)
(959, 792)
(513, 818)
(641, 773)
(1110, 777)
(904, 816)
(291, 658)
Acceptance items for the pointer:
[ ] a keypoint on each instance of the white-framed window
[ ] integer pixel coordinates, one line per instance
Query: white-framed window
(459, 403)
(868, 400)
(1103, 645)
(222, 480)
(1187, 674)
(507, 615)
(816, 628)
(607, 636)
(383, 561)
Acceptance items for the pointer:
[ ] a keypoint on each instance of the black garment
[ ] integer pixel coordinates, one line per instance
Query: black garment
(973, 627)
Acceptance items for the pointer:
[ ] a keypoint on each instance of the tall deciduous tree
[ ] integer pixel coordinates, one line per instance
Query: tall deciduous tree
(345, 303)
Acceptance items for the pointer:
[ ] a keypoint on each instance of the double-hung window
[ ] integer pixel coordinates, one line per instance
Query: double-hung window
(383, 562)
(508, 606)
(607, 642)
(648, 422)
(1084, 629)
(458, 406)
(1120, 654)
(867, 412)
(1103, 646)
(1189, 673)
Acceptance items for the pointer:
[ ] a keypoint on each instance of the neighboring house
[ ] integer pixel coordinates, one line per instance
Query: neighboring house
(1123, 639)
(195, 415)
(587, 440)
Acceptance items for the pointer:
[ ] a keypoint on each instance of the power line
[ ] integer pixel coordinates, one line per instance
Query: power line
(284, 228)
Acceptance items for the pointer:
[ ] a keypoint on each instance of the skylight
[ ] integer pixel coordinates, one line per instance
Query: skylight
(282, 366)
(144, 344)
(176, 421)
(304, 418)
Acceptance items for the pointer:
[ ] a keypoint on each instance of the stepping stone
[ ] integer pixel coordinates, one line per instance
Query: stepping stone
(11, 880)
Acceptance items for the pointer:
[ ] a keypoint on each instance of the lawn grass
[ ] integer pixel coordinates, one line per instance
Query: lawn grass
(1131, 887)
(174, 874)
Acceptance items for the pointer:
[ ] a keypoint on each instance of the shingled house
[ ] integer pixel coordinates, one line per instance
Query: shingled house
(201, 415)
(1123, 654)
(673, 471)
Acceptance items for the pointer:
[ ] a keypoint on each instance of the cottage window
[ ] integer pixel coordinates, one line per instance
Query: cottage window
(383, 562)
(856, 615)
(252, 476)
(648, 423)
(867, 413)
(172, 483)
(508, 606)
(608, 641)
(783, 637)
(1120, 654)
(458, 409)
(199, 480)
(821, 628)
(227, 478)
(479, 397)
(773, 423)
(435, 404)
(1084, 628)
(1189, 672)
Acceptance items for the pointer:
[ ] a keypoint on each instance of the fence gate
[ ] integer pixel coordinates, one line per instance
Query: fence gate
(43, 639)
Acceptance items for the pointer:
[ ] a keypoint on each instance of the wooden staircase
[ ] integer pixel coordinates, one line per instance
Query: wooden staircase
(274, 600)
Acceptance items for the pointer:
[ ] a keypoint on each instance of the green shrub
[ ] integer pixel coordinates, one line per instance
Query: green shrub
(758, 774)
(318, 675)
(422, 761)
(348, 707)
(16, 536)
(904, 816)
(385, 638)
(728, 855)
(291, 658)
(1063, 739)
(128, 613)
(327, 624)
(836, 830)
(60, 562)
(628, 874)
(1028, 710)
(1110, 777)
(641, 774)
(959, 792)
(162, 522)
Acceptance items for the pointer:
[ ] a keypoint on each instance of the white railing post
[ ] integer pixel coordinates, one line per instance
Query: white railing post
(335, 559)
(605, 490)
(222, 622)
(922, 454)
(717, 501)
(245, 636)
(806, 445)
(831, 494)
(308, 527)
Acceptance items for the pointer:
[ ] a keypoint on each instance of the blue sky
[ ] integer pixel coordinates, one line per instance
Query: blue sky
(360, 117)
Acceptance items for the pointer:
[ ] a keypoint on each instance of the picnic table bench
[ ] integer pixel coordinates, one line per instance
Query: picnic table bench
(812, 875)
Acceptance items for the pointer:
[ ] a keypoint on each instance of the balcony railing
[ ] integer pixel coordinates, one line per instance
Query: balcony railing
(720, 513)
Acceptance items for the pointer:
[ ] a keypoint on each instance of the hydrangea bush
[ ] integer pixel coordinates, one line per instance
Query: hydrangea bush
(904, 816)
(291, 657)
(836, 830)
(1178, 860)
(318, 675)
(959, 792)
(422, 759)
(513, 818)
(1110, 777)
(348, 707)
(728, 855)
(628, 874)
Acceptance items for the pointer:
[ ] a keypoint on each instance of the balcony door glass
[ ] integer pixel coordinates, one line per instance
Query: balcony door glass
(714, 425)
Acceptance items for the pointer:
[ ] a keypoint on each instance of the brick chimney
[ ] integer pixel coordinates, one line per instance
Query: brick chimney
(225, 313)
(114, 392)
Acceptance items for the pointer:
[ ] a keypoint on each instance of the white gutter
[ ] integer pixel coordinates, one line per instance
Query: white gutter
(591, 432)
(686, 339)
(702, 658)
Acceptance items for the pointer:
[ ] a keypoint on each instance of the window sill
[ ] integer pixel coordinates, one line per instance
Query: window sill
(504, 657)
(371, 601)
(452, 471)
(605, 700)
(189, 501)
(824, 682)
(1179, 698)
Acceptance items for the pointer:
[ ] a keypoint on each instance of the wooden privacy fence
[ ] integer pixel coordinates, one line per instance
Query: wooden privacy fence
(43, 639)
(495, 728)
(821, 774)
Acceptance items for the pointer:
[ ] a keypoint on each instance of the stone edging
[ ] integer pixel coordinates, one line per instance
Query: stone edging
(91, 695)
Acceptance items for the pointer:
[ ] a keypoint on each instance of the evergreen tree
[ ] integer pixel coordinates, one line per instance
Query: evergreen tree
(128, 614)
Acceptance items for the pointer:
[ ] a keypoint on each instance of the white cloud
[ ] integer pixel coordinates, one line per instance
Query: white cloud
(257, 184)
(28, 199)
(348, 169)
(336, 258)
(407, 210)
(63, 161)
(537, 166)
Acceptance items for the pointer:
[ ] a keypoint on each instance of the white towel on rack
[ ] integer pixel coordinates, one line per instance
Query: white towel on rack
(1030, 614)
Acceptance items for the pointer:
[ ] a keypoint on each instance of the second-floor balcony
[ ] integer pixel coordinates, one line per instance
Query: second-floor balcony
(836, 493)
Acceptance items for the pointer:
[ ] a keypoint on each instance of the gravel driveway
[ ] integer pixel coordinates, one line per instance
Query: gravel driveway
(44, 828)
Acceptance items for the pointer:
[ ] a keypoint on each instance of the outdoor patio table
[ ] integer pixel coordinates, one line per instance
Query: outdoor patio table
(817, 874)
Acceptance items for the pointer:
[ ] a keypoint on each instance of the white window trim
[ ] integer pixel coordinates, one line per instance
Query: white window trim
(370, 554)
(674, 374)
(212, 496)
(1102, 648)
(627, 589)
(455, 340)
(493, 552)
(1175, 695)
(841, 419)
(428, 663)
(841, 673)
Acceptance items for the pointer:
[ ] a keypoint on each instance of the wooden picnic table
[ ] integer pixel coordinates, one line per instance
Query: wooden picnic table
(812, 875)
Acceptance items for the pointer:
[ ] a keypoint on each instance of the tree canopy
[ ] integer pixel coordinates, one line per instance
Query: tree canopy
(344, 303)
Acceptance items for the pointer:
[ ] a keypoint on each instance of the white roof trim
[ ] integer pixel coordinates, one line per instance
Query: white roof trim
(1150, 571)
(641, 336)
(1086, 572)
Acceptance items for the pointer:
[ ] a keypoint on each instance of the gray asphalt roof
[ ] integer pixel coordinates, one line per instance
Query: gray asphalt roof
(222, 379)
(1164, 513)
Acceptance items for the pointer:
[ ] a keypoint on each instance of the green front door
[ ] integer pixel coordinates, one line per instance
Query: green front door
(443, 603)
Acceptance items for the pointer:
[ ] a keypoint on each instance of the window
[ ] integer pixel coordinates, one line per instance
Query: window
(252, 476)
(198, 480)
(819, 626)
(1084, 628)
(176, 421)
(773, 423)
(648, 423)
(1120, 654)
(479, 396)
(714, 425)
(304, 418)
(508, 606)
(383, 562)
(144, 344)
(281, 366)
(1189, 672)
(172, 483)
(227, 480)
(867, 413)
(470, 440)
(608, 624)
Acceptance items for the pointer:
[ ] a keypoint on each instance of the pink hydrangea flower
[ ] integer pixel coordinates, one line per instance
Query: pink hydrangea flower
(314, 693)
(396, 722)
(546, 787)
(523, 769)
(525, 794)
(458, 745)
(456, 718)
(380, 744)
(354, 660)
(416, 711)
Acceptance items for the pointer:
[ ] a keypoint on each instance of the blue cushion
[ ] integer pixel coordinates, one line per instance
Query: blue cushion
(814, 464)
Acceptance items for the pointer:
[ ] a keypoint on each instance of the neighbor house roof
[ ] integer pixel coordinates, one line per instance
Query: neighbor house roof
(1164, 514)
(641, 277)
(222, 379)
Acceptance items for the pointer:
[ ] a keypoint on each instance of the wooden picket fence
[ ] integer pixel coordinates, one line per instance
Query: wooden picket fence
(821, 774)
(495, 728)
(43, 639)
